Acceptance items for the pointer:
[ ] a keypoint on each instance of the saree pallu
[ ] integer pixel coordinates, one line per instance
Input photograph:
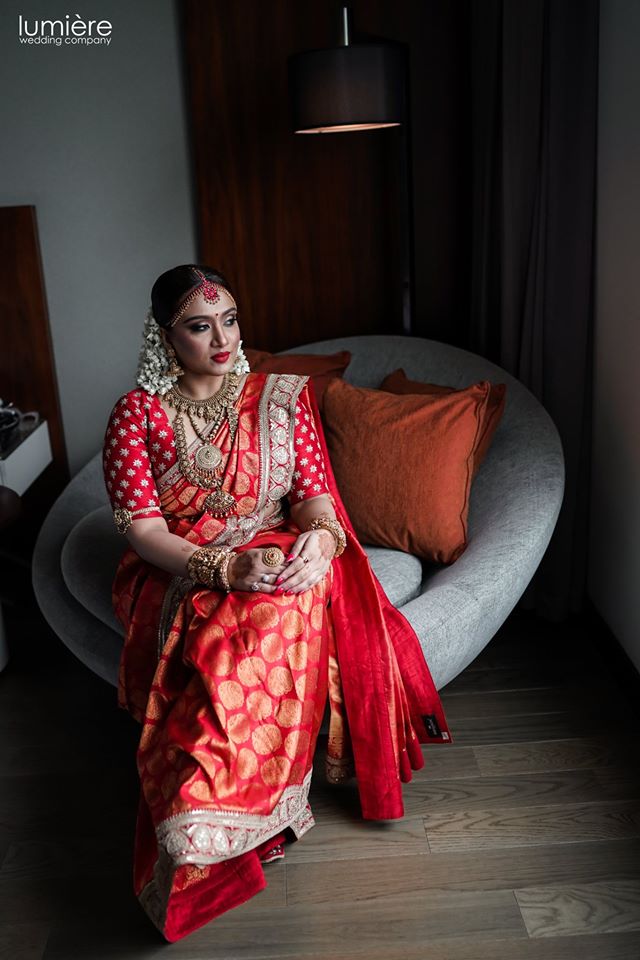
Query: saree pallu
(231, 689)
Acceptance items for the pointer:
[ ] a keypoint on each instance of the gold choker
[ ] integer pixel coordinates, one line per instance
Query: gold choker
(211, 406)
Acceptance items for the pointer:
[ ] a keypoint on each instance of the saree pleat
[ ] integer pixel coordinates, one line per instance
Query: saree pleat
(231, 689)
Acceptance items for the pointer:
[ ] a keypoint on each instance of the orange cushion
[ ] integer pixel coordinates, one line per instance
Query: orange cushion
(403, 464)
(397, 382)
(320, 367)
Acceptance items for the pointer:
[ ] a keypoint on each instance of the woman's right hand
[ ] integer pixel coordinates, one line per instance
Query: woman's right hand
(247, 567)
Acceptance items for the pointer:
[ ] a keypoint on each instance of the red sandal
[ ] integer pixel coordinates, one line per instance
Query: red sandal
(276, 853)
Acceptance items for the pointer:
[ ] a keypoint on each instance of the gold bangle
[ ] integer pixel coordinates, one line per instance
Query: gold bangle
(223, 570)
(203, 566)
(325, 522)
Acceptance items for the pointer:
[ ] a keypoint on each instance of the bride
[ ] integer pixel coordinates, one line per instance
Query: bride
(247, 604)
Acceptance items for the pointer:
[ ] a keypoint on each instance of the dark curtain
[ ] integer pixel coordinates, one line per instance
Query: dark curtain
(534, 67)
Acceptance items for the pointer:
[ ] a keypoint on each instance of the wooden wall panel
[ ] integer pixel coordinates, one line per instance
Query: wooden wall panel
(27, 373)
(306, 227)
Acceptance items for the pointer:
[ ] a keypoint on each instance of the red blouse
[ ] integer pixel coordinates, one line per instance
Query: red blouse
(139, 446)
(309, 478)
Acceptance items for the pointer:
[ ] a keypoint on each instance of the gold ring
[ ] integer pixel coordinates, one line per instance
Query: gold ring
(272, 556)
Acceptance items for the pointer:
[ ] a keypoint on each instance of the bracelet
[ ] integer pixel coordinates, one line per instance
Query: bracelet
(325, 522)
(223, 575)
(209, 566)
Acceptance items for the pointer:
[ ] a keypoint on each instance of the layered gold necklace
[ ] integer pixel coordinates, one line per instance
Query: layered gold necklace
(208, 457)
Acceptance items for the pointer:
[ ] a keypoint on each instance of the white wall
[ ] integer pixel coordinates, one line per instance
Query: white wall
(614, 566)
(96, 139)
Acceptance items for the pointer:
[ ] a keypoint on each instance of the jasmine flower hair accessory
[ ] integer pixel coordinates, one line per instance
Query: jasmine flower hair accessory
(155, 365)
(153, 361)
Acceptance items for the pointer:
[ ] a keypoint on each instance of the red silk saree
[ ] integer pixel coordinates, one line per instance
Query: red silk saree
(231, 689)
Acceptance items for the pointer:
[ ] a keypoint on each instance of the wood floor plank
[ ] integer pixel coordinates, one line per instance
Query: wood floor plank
(546, 755)
(608, 906)
(33, 900)
(522, 646)
(337, 839)
(98, 918)
(23, 941)
(619, 781)
(560, 725)
(447, 760)
(330, 802)
(29, 759)
(437, 873)
(621, 946)
(575, 699)
(44, 804)
(64, 857)
(533, 674)
(615, 946)
(508, 826)
(363, 928)
(521, 790)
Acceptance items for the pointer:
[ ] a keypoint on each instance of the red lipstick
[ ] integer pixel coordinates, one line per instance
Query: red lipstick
(221, 357)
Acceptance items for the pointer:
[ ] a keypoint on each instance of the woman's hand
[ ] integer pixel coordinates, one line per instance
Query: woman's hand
(248, 567)
(318, 546)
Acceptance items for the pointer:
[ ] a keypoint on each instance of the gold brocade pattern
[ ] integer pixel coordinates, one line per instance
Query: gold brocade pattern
(230, 689)
(208, 836)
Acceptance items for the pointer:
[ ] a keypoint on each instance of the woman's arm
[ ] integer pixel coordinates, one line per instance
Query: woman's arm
(130, 484)
(303, 512)
(151, 540)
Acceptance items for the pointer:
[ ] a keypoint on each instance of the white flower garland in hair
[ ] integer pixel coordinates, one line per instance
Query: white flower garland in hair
(241, 364)
(153, 361)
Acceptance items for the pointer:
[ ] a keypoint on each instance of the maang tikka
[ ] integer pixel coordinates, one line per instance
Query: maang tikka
(205, 288)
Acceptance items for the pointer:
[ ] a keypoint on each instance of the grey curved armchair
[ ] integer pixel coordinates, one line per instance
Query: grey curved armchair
(455, 610)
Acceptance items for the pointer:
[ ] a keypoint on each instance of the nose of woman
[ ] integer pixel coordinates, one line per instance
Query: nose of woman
(219, 347)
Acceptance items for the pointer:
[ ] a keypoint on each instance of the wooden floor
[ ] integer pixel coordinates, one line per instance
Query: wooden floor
(520, 840)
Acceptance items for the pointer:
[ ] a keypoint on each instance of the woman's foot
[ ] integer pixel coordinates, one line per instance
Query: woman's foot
(272, 848)
(276, 853)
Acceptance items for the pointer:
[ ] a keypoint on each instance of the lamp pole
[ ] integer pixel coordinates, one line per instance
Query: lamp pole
(405, 186)
(344, 26)
(406, 208)
(361, 86)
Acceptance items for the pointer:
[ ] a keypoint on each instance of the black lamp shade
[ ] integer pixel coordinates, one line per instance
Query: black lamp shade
(356, 86)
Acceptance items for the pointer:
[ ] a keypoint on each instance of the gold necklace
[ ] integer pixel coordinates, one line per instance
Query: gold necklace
(208, 456)
(210, 407)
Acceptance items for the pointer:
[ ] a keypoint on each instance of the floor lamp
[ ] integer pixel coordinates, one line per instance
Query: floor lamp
(359, 86)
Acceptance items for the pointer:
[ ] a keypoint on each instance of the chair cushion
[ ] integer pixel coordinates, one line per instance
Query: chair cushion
(89, 560)
(397, 382)
(400, 573)
(404, 464)
(321, 368)
(93, 549)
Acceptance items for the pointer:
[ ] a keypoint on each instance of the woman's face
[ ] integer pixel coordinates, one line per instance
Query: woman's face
(205, 330)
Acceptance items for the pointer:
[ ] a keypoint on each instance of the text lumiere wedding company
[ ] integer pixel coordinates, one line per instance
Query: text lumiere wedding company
(76, 32)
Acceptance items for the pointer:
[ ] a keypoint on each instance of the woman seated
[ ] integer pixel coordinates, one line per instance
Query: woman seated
(247, 604)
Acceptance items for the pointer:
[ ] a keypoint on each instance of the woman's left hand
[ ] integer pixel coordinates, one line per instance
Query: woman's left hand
(318, 546)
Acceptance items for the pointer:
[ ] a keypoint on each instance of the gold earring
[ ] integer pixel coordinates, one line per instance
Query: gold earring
(174, 369)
